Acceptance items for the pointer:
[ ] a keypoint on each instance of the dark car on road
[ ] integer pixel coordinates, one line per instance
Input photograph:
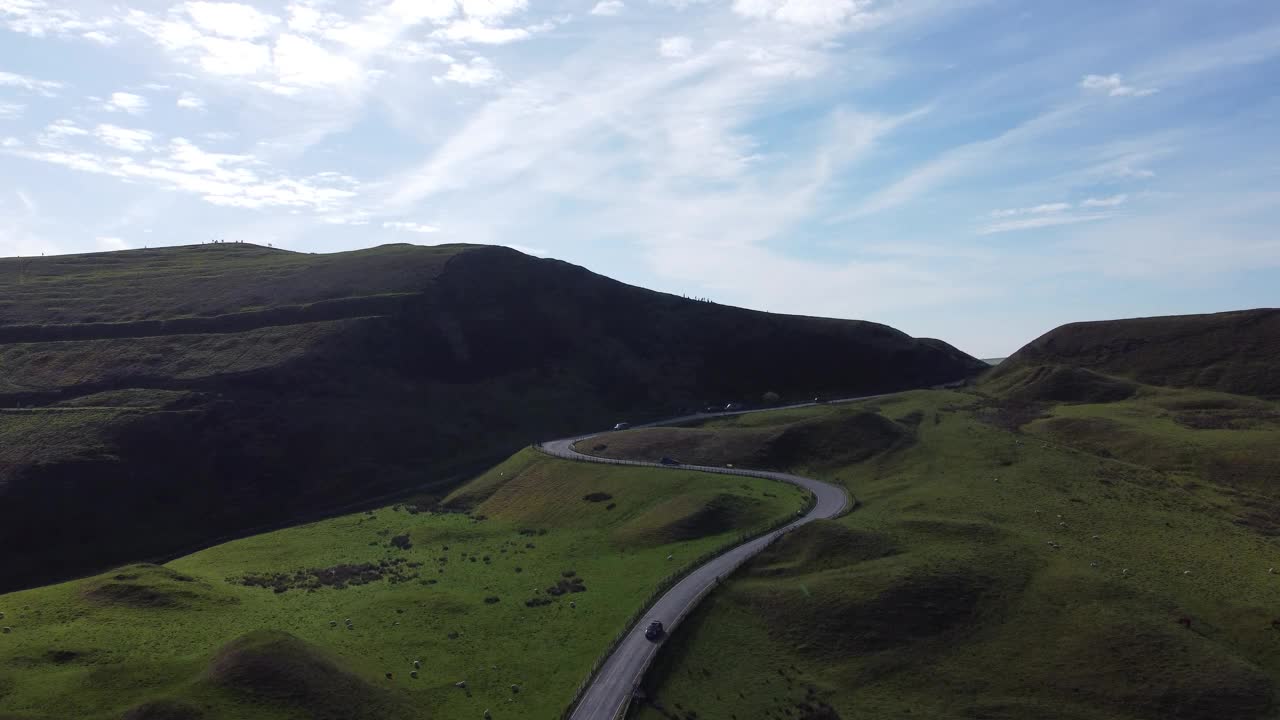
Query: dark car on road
(655, 630)
(669, 461)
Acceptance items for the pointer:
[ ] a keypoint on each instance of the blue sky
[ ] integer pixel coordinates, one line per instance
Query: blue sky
(974, 170)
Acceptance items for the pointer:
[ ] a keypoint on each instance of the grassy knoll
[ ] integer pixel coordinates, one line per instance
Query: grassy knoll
(1108, 560)
(482, 594)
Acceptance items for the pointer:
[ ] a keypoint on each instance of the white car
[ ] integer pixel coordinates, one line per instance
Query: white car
(622, 426)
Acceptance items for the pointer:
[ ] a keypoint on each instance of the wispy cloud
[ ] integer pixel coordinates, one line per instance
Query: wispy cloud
(126, 103)
(1033, 223)
(1114, 86)
(47, 88)
(1106, 202)
(479, 71)
(189, 101)
(608, 8)
(413, 227)
(123, 139)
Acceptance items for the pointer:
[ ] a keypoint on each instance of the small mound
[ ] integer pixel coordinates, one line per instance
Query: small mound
(164, 710)
(818, 546)
(273, 667)
(136, 595)
(843, 440)
(842, 616)
(1063, 384)
(689, 517)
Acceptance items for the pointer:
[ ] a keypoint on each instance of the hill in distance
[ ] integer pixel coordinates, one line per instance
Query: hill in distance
(155, 401)
(1232, 352)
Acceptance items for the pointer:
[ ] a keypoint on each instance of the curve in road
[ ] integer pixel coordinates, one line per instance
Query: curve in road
(611, 689)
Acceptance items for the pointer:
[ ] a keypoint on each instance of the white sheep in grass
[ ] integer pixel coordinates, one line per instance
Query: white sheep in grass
(417, 664)
(1186, 572)
(1124, 571)
(670, 556)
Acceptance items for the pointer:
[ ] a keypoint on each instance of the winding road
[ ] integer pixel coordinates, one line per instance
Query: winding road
(613, 686)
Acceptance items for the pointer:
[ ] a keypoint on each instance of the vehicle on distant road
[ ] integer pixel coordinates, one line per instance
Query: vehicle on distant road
(669, 461)
(732, 407)
(622, 426)
(655, 631)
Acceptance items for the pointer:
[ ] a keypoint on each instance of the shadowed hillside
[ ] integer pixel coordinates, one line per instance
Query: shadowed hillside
(155, 400)
(1231, 352)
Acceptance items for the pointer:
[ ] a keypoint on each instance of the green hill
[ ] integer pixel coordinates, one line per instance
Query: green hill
(153, 401)
(515, 598)
(1111, 558)
(1231, 352)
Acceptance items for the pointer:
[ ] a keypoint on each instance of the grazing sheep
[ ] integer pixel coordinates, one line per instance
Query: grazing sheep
(515, 688)
(333, 623)
(1, 616)
(670, 556)
(391, 676)
(572, 605)
(460, 684)
(417, 664)
(1186, 572)
(1124, 571)
(1093, 564)
(487, 715)
(1097, 537)
(1270, 570)
(413, 674)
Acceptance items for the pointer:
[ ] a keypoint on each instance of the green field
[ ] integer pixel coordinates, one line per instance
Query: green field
(993, 573)
(257, 627)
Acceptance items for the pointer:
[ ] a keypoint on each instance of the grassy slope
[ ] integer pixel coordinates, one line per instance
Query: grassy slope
(95, 647)
(1230, 352)
(941, 596)
(223, 389)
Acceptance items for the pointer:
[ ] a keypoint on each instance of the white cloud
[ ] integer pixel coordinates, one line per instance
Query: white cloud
(1113, 86)
(675, 47)
(100, 37)
(23, 82)
(1044, 209)
(57, 133)
(479, 32)
(491, 10)
(37, 19)
(220, 56)
(9, 111)
(1032, 223)
(232, 20)
(219, 179)
(111, 244)
(189, 101)
(478, 72)
(299, 61)
(411, 227)
(608, 8)
(126, 103)
(1107, 202)
(816, 13)
(10, 142)
(124, 139)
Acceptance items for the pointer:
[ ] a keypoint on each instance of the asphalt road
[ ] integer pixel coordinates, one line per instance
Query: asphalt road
(613, 686)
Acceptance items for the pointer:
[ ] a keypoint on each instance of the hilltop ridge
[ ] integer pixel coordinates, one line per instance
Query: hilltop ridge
(155, 400)
(1231, 352)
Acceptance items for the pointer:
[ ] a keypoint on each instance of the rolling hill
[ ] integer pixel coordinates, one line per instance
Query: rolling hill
(1231, 352)
(155, 401)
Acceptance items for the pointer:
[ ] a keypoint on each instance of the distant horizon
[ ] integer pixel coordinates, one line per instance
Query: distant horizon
(983, 357)
(978, 171)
